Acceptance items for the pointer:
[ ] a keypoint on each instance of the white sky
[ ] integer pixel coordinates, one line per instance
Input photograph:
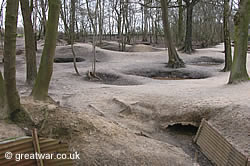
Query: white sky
(20, 19)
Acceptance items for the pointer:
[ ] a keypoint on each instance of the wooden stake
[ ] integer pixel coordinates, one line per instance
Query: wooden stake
(39, 162)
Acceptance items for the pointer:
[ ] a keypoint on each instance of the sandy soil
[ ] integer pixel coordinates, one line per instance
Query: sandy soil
(141, 101)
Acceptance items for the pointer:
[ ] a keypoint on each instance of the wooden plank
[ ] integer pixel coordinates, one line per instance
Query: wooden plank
(13, 143)
(39, 162)
(26, 145)
(199, 130)
(217, 148)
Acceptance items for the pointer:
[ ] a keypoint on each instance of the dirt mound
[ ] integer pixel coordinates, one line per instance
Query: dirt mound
(177, 130)
(59, 42)
(81, 51)
(114, 79)
(143, 48)
(114, 46)
(100, 141)
(111, 45)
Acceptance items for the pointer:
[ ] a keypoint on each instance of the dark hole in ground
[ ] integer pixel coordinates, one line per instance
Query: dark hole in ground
(183, 135)
(113, 79)
(183, 129)
(170, 75)
(68, 60)
(207, 61)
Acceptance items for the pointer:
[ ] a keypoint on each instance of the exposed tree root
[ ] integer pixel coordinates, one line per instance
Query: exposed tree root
(92, 76)
(74, 62)
(176, 64)
(225, 69)
(188, 50)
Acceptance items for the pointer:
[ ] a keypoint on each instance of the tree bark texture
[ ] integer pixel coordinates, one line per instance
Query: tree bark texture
(40, 90)
(241, 21)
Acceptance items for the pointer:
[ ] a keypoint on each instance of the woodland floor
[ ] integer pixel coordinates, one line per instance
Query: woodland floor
(147, 114)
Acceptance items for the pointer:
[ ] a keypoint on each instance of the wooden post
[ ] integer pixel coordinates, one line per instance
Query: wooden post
(36, 145)
(199, 130)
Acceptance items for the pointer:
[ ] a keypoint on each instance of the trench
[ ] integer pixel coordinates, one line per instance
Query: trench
(68, 60)
(169, 74)
(182, 136)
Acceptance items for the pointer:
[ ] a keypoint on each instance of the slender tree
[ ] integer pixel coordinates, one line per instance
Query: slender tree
(100, 19)
(174, 61)
(93, 21)
(43, 7)
(35, 14)
(2, 90)
(30, 48)
(145, 21)
(40, 90)
(10, 55)
(63, 13)
(227, 39)
(3, 100)
(180, 23)
(72, 33)
(241, 21)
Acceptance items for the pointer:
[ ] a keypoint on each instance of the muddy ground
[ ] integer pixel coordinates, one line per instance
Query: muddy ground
(139, 112)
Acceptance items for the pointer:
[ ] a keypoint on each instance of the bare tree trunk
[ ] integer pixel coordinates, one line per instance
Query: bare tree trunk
(123, 35)
(156, 26)
(227, 39)
(109, 22)
(72, 36)
(3, 99)
(145, 30)
(241, 21)
(43, 17)
(35, 23)
(189, 30)
(189, 26)
(127, 25)
(174, 60)
(100, 19)
(65, 23)
(30, 48)
(41, 87)
(180, 23)
(93, 23)
(10, 55)
(94, 56)
(119, 21)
